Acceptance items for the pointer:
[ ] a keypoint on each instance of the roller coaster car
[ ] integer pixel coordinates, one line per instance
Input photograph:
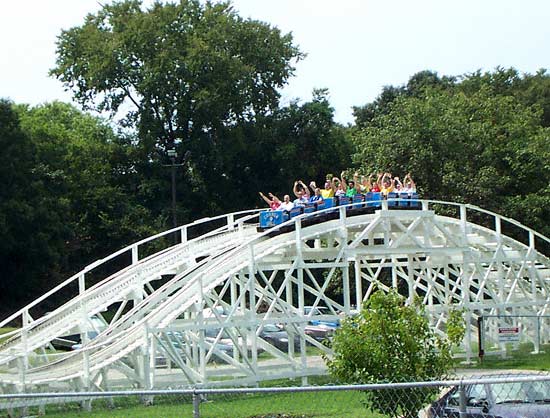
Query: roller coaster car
(359, 204)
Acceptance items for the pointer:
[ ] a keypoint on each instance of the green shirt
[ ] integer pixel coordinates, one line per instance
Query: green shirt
(351, 192)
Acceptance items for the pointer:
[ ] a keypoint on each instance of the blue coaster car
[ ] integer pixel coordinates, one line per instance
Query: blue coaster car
(343, 200)
(357, 199)
(296, 210)
(414, 201)
(374, 199)
(391, 202)
(404, 203)
(271, 218)
(310, 207)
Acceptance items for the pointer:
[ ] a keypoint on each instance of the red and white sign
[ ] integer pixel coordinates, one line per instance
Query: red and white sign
(508, 334)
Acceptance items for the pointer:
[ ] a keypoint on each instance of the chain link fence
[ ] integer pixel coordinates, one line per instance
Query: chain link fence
(525, 395)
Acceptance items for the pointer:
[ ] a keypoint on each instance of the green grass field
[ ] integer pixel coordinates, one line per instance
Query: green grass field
(520, 359)
(289, 405)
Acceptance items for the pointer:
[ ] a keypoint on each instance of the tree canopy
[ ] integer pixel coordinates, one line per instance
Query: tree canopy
(186, 68)
(68, 197)
(481, 141)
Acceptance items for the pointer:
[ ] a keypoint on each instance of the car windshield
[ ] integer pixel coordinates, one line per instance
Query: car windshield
(271, 328)
(319, 310)
(521, 392)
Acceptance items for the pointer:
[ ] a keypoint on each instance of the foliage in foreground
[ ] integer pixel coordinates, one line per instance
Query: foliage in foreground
(393, 342)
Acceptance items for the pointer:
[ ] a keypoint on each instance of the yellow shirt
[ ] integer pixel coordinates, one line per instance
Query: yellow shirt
(386, 190)
(327, 193)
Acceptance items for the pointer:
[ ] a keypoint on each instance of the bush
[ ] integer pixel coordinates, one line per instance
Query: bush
(390, 342)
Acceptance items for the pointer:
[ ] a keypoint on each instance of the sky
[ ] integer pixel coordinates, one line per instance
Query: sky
(353, 47)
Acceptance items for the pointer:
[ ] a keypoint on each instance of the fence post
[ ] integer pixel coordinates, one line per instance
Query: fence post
(462, 401)
(480, 339)
(537, 336)
(196, 405)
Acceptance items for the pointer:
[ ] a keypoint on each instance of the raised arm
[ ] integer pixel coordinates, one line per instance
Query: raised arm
(295, 188)
(413, 184)
(274, 198)
(264, 197)
(365, 181)
(379, 179)
(396, 181)
(343, 181)
(304, 188)
(333, 183)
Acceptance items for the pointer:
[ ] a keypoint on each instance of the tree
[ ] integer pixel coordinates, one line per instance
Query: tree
(190, 75)
(298, 141)
(91, 170)
(414, 88)
(307, 143)
(31, 219)
(477, 147)
(70, 196)
(389, 341)
(187, 69)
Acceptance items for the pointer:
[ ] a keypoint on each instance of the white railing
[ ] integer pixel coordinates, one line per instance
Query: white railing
(27, 322)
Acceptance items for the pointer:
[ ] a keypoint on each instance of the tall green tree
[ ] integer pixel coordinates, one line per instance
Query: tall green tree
(308, 143)
(184, 69)
(529, 89)
(70, 195)
(476, 147)
(415, 87)
(298, 141)
(189, 75)
(91, 171)
(31, 219)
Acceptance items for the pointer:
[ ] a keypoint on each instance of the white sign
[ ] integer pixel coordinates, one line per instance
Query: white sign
(508, 334)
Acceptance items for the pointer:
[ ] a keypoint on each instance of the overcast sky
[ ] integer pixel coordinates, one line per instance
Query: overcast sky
(354, 47)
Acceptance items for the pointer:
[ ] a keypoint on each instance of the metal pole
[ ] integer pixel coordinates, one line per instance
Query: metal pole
(462, 401)
(196, 406)
(174, 217)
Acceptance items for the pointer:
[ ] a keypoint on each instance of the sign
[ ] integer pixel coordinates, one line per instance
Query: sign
(508, 334)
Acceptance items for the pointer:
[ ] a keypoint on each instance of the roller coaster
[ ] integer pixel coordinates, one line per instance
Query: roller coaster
(195, 313)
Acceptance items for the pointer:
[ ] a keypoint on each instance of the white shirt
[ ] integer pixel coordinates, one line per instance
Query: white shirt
(288, 206)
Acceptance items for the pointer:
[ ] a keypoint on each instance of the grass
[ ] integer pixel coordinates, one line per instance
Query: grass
(520, 359)
(321, 404)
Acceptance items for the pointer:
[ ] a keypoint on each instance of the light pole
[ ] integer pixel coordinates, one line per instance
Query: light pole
(172, 154)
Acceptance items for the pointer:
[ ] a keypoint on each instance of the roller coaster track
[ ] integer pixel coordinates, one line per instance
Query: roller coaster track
(223, 287)
(128, 282)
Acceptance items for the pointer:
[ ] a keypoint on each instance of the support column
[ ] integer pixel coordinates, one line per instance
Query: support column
(410, 279)
(252, 314)
(358, 284)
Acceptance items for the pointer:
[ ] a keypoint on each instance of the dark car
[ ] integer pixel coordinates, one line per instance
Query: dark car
(320, 332)
(498, 400)
(278, 337)
(95, 325)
